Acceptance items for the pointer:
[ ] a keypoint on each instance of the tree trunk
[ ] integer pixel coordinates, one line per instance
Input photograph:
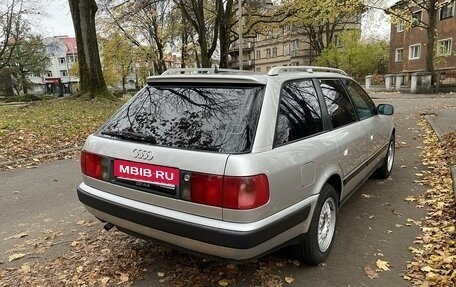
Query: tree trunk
(92, 83)
(431, 35)
(225, 14)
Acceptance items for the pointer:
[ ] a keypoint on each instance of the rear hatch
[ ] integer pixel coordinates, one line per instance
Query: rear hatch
(169, 144)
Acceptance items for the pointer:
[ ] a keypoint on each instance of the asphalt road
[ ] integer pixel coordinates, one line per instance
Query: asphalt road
(375, 223)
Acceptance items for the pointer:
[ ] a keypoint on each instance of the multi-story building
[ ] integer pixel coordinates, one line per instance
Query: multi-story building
(282, 46)
(62, 51)
(408, 45)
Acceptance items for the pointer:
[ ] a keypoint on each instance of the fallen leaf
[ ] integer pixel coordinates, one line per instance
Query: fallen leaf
(16, 256)
(74, 243)
(223, 282)
(289, 280)
(160, 274)
(25, 268)
(370, 272)
(17, 236)
(104, 280)
(124, 277)
(383, 265)
(427, 269)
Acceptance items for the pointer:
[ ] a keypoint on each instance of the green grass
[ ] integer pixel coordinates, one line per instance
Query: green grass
(46, 126)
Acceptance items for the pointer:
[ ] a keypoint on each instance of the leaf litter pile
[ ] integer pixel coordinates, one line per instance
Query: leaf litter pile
(434, 262)
(113, 258)
(37, 132)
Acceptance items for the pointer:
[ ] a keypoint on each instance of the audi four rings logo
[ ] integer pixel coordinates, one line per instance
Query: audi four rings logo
(143, 154)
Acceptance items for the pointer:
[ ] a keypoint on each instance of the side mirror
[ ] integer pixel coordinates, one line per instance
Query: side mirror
(385, 109)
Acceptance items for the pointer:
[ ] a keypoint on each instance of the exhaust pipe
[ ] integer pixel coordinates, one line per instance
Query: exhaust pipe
(108, 226)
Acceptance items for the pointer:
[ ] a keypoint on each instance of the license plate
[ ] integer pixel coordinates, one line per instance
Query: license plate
(147, 173)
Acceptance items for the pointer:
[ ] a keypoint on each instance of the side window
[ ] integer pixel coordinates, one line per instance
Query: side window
(338, 103)
(299, 113)
(364, 106)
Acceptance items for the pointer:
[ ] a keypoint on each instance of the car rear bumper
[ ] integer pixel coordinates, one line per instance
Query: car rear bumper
(237, 241)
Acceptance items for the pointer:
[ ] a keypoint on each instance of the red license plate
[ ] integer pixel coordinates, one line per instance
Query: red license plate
(146, 172)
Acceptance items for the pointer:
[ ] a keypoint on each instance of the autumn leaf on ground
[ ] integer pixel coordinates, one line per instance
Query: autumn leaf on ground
(124, 277)
(370, 272)
(382, 265)
(16, 256)
(289, 280)
(16, 236)
(223, 282)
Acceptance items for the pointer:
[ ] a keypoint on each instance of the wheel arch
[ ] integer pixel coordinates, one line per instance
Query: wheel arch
(336, 181)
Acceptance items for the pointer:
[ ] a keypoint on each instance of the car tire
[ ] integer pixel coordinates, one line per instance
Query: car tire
(317, 242)
(384, 171)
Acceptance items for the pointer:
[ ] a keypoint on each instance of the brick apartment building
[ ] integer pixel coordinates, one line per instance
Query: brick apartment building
(408, 45)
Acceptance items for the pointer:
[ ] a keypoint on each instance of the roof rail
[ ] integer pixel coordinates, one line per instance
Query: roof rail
(177, 71)
(309, 69)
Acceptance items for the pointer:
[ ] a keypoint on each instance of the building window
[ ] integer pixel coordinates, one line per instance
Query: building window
(400, 26)
(258, 69)
(268, 53)
(48, 73)
(444, 47)
(294, 48)
(63, 73)
(258, 54)
(414, 52)
(258, 37)
(399, 55)
(62, 60)
(274, 52)
(447, 10)
(286, 50)
(336, 41)
(417, 17)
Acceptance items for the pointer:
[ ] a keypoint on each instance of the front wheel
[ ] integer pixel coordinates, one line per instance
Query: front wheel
(318, 240)
(384, 171)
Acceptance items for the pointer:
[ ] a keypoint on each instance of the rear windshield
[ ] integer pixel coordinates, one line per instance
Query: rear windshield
(221, 119)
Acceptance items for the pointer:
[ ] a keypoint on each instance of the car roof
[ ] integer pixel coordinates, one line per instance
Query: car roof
(227, 76)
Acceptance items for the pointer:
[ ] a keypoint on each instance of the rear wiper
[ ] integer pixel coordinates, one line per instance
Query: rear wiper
(130, 136)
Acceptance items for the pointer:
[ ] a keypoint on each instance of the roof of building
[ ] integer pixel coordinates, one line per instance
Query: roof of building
(70, 43)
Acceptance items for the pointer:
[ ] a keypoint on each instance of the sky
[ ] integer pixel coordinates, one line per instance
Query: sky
(56, 20)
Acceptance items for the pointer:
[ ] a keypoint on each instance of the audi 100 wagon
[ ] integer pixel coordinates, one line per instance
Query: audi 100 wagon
(235, 164)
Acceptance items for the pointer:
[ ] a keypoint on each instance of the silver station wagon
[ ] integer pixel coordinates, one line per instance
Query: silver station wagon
(234, 164)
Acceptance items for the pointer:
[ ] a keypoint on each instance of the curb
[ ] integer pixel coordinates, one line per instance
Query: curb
(66, 150)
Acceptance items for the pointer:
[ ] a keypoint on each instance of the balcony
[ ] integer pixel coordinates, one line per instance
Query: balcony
(247, 46)
(246, 64)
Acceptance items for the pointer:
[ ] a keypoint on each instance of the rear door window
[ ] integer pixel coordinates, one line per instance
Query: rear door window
(340, 108)
(299, 112)
(211, 118)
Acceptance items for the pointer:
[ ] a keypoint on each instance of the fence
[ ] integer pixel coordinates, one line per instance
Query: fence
(419, 82)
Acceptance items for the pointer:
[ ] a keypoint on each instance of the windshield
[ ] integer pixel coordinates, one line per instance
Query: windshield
(222, 118)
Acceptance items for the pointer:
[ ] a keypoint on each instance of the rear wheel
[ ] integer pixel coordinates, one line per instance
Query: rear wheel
(384, 171)
(318, 240)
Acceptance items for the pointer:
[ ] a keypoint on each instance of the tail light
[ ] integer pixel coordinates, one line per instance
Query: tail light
(91, 164)
(245, 192)
(207, 189)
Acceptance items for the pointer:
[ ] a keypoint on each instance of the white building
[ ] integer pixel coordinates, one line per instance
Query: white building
(62, 51)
